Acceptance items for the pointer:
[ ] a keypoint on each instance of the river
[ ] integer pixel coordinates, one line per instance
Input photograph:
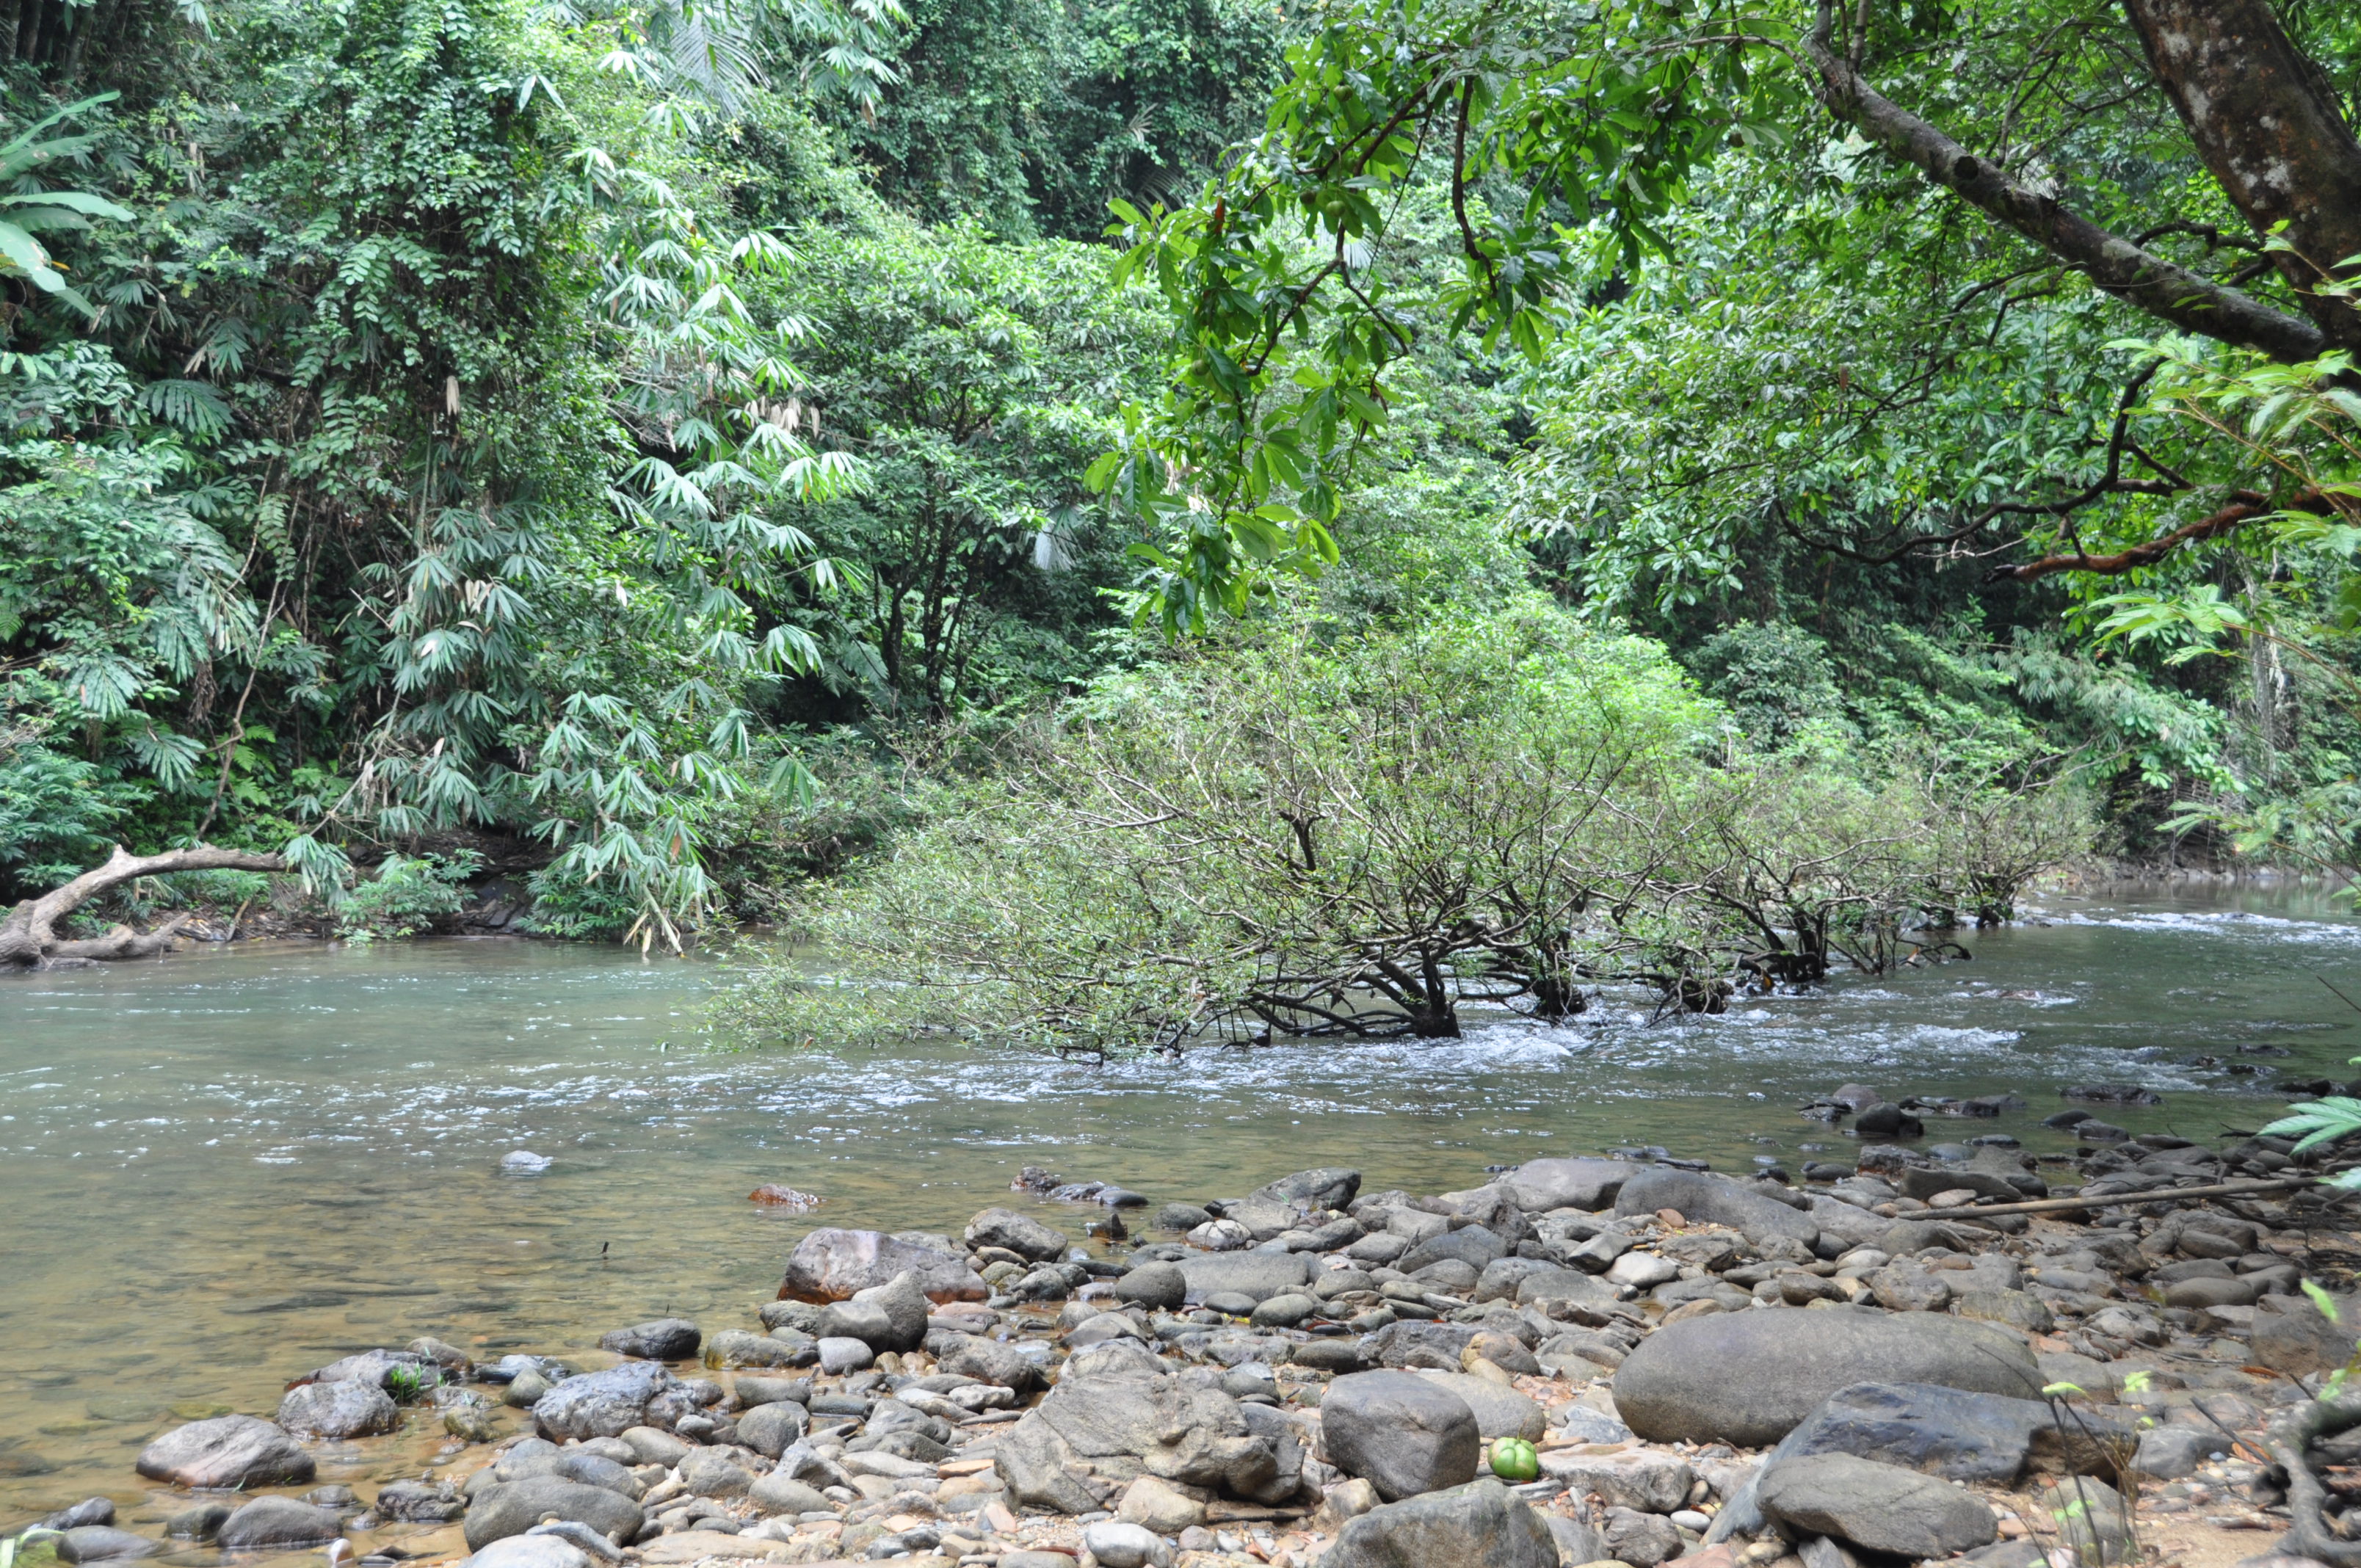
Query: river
(220, 1170)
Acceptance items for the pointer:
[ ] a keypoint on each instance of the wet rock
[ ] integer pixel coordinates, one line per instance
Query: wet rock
(1647, 1479)
(104, 1543)
(200, 1523)
(1402, 1433)
(780, 1348)
(1888, 1122)
(417, 1502)
(1750, 1377)
(2111, 1094)
(1878, 1508)
(339, 1410)
(89, 1511)
(381, 1368)
(1178, 1217)
(1330, 1187)
(1260, 1275)
(1482, 1525)
(512, 1507)
(226, 1453)
(1540, 1185)
(601, 1404)
(831, 1264)
(276, 1522)
(1020, 1233)
(666, 1339)
(1703, 1198)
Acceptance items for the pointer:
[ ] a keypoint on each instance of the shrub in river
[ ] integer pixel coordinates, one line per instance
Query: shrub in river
(1355, 839)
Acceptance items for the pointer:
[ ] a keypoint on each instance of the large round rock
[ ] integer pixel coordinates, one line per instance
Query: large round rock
(1750, 1378)
(338, 1410)
(1402, 1433)
(1478, 1526)
(601, 1404)
(516, 1506)
(227, 1452)
(282, 1523)
(1879, 1507)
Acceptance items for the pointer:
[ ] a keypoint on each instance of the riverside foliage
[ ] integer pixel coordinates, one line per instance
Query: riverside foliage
(675, 449)
(1310, 836)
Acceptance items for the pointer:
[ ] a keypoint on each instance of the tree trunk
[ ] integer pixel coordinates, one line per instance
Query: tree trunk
(28, 935)
(2267, 128)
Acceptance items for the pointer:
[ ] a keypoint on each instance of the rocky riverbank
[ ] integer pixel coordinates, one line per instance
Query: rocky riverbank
(1575, 1362)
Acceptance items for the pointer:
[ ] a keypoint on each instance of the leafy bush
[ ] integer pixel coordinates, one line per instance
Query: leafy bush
(406, 896)
(1292, 838)
(57, 818)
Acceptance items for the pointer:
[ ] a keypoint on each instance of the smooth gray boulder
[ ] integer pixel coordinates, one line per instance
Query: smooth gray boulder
(1260, 1275)
(1541, 1185)
(1413, 1343)
(770, 1429)
(777, 1494)
(1878, 1508)
(339, 1410)
(1020, 1233)
(1751, 1378)
(103, 1543)
(1703, 1198)
(513, 1507)
(529, 1552)
(280, 1523)
(1401, 1432)
(601, 1404)
(831, 1265)
(1478, 1526)
(1471, 1244)
(225, 1453)
(1156, 1286)
(2289, 1335)
(666, 1339)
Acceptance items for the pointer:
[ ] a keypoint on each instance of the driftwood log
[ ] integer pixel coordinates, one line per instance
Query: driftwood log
(28, 936)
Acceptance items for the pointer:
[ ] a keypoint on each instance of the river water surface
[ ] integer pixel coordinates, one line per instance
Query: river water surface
(222, 1170)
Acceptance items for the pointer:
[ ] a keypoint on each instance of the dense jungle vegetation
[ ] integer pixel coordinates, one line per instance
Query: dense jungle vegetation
(1184, 516)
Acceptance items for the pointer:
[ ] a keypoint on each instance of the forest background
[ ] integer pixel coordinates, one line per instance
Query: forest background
(674, 453)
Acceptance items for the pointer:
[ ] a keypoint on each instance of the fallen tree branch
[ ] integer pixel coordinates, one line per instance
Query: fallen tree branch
(27, 933)
(2285, 1441)
(2244, 506)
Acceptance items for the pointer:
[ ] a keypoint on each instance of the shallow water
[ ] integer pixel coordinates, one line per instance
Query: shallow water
(221, 1170)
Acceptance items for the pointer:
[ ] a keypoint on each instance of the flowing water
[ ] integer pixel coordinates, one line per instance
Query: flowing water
(221, 1170)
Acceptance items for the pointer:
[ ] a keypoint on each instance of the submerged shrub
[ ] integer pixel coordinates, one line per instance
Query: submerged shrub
(1292, 838)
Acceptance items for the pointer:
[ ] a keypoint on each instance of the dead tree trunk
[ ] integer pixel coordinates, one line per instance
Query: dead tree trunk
(28, 936)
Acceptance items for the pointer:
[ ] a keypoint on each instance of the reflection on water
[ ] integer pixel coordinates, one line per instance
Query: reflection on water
(224, 1170)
